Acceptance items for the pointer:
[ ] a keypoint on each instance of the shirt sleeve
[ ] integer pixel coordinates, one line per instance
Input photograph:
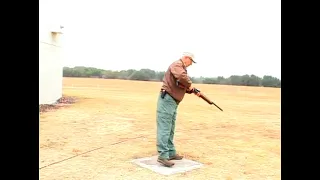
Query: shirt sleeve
(180, 74)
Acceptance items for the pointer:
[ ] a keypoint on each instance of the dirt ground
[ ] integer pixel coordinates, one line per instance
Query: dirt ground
(113, 122)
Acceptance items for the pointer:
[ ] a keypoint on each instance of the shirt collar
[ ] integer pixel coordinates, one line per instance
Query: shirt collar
(184, 66)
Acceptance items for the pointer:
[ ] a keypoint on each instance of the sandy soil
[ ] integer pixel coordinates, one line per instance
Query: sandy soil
(115, 121)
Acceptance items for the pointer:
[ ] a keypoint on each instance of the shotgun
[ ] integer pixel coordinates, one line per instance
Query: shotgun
(196, 91)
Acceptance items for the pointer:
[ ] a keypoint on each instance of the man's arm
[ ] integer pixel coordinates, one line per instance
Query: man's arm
(180, 74)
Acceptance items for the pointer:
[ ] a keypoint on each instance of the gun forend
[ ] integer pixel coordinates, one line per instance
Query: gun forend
(206, 98)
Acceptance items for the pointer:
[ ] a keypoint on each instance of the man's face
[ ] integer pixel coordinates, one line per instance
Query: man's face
(188, 61)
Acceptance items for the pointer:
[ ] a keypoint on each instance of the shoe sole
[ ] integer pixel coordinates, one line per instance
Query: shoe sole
(165, 164)
(174, 159)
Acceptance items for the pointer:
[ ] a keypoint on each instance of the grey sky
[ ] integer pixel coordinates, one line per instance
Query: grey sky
(228, 37)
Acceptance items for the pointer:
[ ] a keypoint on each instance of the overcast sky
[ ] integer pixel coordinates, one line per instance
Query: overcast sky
(228, 37)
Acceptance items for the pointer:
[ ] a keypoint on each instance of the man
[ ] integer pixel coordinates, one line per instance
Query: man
(175, 84)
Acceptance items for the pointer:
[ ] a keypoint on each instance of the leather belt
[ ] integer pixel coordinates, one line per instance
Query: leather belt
(165, 93)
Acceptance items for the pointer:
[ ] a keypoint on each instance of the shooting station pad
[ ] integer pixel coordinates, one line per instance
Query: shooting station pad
(180, 166)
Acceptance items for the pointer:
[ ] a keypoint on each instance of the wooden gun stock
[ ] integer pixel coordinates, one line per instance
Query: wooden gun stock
(195, 91)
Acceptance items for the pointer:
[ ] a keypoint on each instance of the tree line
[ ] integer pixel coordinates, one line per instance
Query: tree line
(151, 75)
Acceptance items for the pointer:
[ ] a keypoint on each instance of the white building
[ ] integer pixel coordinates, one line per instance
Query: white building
(50, 53)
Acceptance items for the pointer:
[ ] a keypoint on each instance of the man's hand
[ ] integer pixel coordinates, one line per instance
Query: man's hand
(191, 89)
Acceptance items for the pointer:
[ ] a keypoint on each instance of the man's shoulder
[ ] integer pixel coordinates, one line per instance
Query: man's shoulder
(176, 63)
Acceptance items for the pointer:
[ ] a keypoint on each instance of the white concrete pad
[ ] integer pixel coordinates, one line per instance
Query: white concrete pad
(179, 167)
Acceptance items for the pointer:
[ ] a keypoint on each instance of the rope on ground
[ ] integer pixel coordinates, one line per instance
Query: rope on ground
(89, 151)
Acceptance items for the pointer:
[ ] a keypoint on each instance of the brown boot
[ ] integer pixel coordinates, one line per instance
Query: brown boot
(175, 157)
(165, 162)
